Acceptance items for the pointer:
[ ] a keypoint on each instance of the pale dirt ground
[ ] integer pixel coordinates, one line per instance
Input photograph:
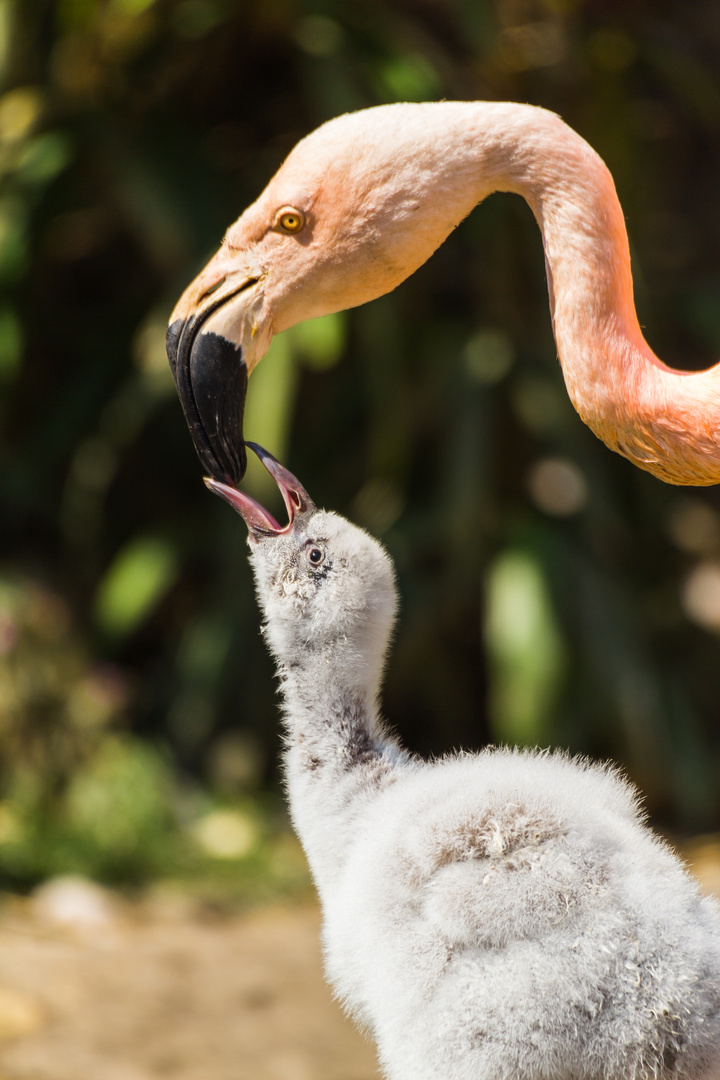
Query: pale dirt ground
(163, 989)
(164, 993)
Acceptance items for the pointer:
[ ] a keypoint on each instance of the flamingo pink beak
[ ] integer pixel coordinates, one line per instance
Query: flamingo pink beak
(260, 521)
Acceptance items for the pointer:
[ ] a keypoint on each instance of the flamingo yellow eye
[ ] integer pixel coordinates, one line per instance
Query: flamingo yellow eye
(289, 219)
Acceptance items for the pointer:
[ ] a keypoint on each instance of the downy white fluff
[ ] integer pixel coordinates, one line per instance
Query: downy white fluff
(496, 916)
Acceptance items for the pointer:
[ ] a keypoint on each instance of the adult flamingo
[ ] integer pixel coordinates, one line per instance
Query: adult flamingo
(365, 199)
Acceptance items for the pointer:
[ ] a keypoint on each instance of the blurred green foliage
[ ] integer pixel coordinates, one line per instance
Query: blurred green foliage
(551, 593)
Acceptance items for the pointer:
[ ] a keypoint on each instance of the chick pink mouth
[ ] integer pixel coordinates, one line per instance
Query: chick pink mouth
(260, 521)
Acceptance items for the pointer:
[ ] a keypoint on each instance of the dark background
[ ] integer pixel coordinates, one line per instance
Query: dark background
(552, 594)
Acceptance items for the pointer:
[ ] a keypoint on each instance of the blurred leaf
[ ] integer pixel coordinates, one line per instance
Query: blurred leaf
(319, 35)
(77, 13)
(43, 157)
(271, 397)
(13, 238)
(20, 110)
(10, 344)
(525, 649)
(194, 18)
(138, 577)
(148, 348)
(6, 7)
(409, 77)
(120, 798)
(226, 834)
(320, 342)
(132, 7)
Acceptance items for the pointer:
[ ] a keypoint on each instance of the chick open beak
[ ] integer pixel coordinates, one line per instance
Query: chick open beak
(260, 521)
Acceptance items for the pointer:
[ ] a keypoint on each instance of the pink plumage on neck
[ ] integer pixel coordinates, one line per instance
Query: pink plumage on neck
(378, 191)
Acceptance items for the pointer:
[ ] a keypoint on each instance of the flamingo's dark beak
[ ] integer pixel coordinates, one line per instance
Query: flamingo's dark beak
(213, 341)
(211, 379)
(260, 521)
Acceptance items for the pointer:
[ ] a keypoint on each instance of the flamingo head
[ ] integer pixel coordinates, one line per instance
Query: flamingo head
(356, 208)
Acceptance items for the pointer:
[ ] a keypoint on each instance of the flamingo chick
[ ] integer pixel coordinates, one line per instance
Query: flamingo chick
(365, 199)
(495, 916)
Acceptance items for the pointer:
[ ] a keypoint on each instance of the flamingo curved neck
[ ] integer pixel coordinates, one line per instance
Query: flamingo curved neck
(665, 421)
(381, 189)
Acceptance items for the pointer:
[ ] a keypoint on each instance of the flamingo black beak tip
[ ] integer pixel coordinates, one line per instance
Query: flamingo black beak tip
(211, 379)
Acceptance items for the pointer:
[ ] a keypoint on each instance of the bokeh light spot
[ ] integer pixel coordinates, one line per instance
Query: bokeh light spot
(557, 486)
(489, 355)
(701, 596)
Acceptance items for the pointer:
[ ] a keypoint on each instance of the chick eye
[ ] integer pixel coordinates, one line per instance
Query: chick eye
(289, 219)
(315, 555)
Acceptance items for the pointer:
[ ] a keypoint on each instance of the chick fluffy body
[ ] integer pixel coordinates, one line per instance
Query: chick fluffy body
(505, 915)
